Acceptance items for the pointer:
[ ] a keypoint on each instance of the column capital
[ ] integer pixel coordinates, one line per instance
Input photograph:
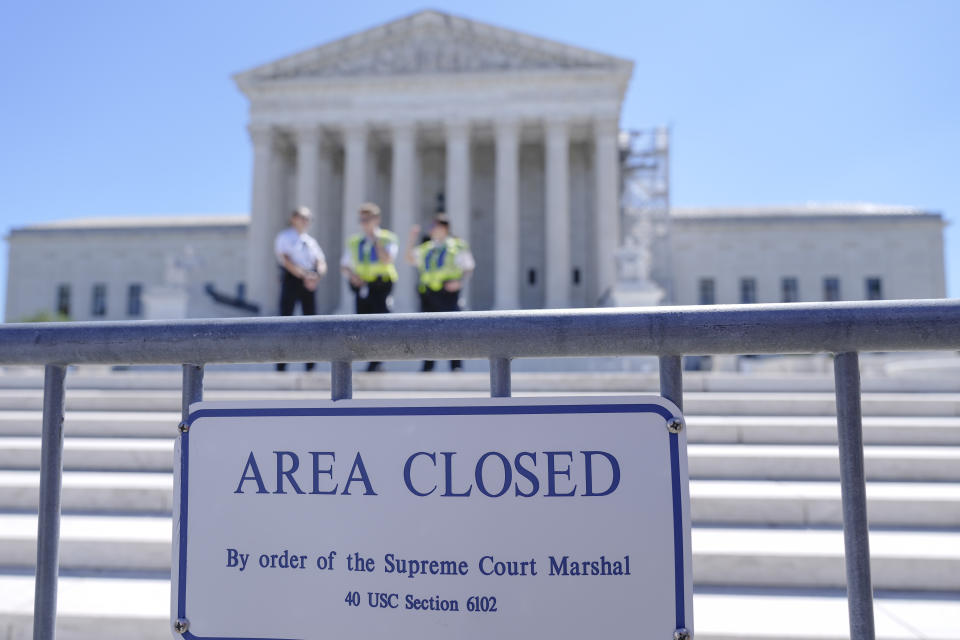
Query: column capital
(506, 127)
(261, 134)
(403, 126)
(556, 123)
(308, 134)
(355, 129)
(557, 129)
(457, 125)
(606, 126)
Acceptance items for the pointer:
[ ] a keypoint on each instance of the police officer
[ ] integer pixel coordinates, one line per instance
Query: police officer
(302, 264)
(368, 265)
(444, 262)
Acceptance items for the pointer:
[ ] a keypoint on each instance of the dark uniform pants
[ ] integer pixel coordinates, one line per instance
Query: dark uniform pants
(437, 301)
(375, 300)
(292, 291)
(372, 298)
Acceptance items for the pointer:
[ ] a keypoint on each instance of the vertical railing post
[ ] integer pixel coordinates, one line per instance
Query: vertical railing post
(671, 388)
(341, 380)
(192, 388)
(500, 383)
(671, 379)
(853, 490)
(48, 520)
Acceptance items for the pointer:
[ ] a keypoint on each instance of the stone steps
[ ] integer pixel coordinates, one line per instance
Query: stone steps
(814, 504)
(134, 544)
(822, 462)
(739, 502)
(92, 454)
(139, 609)
(777, 403)
(702, 428)
(707, 461)
(764, 501)
(99, 492)
(802, 429)
(524, 379)
(732, 615)
(813, 558)
(743, 557)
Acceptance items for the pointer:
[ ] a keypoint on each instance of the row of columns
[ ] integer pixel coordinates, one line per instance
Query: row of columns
(508, 242)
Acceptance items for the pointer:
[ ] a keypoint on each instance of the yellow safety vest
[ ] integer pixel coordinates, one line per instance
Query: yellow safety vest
(438, 263)
(367, 263)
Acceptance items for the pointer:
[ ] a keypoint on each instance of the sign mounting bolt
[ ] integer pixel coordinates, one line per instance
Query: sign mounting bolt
(675, 425)
(182, 624)
(681, 634)
(183, 427)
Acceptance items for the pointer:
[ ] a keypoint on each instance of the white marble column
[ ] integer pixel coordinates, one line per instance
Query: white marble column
(458, 177)
(558, 274)
(308, 172)
(354, 175)
(403, 206)
(354, 193)
(315, 193)
(606, 217)
(261, 269)
(506, 280)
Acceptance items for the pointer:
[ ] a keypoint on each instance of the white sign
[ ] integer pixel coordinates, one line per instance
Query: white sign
(472, 518)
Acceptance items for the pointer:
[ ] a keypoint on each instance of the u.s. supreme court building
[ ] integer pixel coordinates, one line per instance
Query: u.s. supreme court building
(517, 138)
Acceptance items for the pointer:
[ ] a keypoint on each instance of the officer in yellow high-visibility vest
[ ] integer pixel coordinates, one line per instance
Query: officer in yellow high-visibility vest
(368, 264)
(444, 262)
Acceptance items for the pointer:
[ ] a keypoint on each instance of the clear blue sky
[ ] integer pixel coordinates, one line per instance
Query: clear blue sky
(127, 108)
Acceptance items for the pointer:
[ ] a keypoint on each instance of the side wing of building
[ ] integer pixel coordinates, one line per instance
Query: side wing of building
(125, 269)
(806, 254)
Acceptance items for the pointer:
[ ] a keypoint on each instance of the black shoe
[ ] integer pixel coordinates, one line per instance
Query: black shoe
(427, 365)
(281, 366)
(310, 366)
(375, 366)
(456, 365)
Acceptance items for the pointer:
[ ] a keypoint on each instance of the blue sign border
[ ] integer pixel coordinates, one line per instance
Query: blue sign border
(678, 556)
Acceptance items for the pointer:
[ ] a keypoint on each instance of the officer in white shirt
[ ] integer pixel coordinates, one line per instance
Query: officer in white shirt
(302, 264)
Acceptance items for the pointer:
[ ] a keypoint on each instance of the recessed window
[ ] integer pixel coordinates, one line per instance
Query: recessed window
(874, 289)
(748, 290)
(707, 291)
(98, 307)
(831, 288)
(576, 276)
(532, 277)
(135, 300)
(789, 290)
(63, 299)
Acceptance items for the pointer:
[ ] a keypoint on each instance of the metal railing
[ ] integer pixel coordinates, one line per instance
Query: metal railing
(844, 329)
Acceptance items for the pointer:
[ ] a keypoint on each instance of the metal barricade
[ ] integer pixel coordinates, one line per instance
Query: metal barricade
(844, 329)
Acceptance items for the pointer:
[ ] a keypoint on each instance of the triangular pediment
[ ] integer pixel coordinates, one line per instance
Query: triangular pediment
(432, 42)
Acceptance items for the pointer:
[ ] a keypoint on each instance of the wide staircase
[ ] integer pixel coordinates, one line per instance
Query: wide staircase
(767, 539)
